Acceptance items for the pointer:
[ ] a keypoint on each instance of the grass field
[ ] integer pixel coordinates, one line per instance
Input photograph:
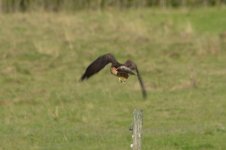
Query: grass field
(181, 55)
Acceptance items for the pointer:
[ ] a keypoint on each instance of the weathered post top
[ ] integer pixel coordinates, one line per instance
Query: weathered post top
(137, 129)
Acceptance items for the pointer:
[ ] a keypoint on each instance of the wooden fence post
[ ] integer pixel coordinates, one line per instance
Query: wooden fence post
(137, 129)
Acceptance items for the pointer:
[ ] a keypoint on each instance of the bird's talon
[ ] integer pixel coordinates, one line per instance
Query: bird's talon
(122, 80)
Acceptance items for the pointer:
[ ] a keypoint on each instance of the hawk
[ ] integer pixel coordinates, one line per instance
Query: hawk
(120, 70)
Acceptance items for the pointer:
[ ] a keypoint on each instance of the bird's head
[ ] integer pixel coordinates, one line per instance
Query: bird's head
(114, 71)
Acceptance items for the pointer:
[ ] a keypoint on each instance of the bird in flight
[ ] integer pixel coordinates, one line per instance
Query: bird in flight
(122, 71)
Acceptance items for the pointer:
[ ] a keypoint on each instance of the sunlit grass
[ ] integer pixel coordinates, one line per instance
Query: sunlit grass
(181, 57)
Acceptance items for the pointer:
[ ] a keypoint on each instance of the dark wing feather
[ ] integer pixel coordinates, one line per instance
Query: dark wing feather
(133, 66)
(98, 64)
(141, 84)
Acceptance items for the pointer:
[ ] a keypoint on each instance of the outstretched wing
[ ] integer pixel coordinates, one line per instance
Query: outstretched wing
(133, 66)
(98, 64)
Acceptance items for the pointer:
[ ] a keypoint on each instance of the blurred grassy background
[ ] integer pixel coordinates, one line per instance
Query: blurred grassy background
(180, 54)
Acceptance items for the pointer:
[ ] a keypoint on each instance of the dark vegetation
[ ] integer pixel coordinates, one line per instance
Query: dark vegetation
(73, 5)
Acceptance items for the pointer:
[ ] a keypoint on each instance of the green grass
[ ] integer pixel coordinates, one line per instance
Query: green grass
(179, 53)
